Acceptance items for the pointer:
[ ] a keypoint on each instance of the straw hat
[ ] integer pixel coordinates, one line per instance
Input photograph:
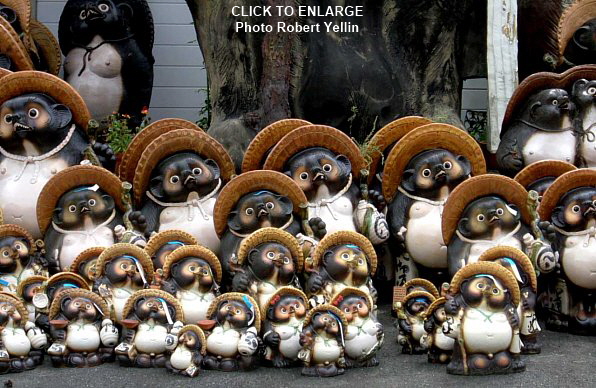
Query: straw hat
(4, 72)
(69, 277)
(158, 240)
(520, 258)
(327, 308)
(173, 142)
(542, 169)
(30, 280)
(198, 251)
(249, 182)
(24, 82)
(423, 283)
(390, 134)
(575, 16)
(73, 177)
(482, 186)
(20, 306)
(151, 293)
(11, 45)
(425, 138)
(310, 136)
(486, 268)
(343, 237)
(239, 297)
(434, 305)
(85, 255)
(130, 158)
(77, 293)
(17, 231)
(23, 10)
(337, 298)
(49, 49)
(199, 332)
(255, 154)
(276, 235)
(562, 185)
(121, 249)
(418, 294)
(281, 292)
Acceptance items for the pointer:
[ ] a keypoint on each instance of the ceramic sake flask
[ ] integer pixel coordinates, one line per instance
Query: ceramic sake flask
(364, 334)
(81, 331)
(538, 176)
(323, 342)
(421, 171)
(522, 268)
(482, 318)
(570, 205)
(188, 353)
(161, 244)
(27, 291)
(411, 311)
(86, 262)
(152, 321)
(192, 274)
(438, 345)
(267, 260)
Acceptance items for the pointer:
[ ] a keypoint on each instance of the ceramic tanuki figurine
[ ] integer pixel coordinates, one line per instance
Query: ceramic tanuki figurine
(583, 94)
(82, 333)
(570, 205)
(438, 345)
(190, 348)
(152, 320)
(419, 284)
(538, 176)
(327, 165)
(421, 171)
(267, 260)
(121, 270)
(161, 244)
(86, 262)
(521, 267)
(410, 320)
(482, 309)
(27, 291)
(232, 339)
(364, 335)
(322, 340)
(192, 274)
(341, 259)
(283, 319)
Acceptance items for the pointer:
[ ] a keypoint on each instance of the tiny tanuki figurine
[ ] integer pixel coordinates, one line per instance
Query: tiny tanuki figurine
(522, 268)
(482, 318)
(328, 167)
(438, 345)
(121, 270)
(161, 244)
(268, 259)
(19, 258)
(410, 321)
(233, 323)
(13, 55)
(341, 259)
(190, 348)
(421, 171)
(364, 334)
(108, 48)
(28, 290)
(323, 342)
(283, 319)
(583, 94)
(85, 263)
(538, 176)
(192, 274)
(570, 205)
(419, 284)
(152, 320)
(81, 331)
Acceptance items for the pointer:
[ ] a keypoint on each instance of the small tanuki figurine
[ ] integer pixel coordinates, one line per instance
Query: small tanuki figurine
(410, 321)
(82, 333)
(27, 291)
(283, 319)
(521, 267)
(267, 260)
(192, 274)
(327, 166)
(419, 284)
(420, 173)
(583, 94)
(152, 320)
(364, 335)
(438, 345)
(121, 270)
(189, 349)
(86, 262)
(538, 176)
(161, 244)
(21, 342)
(323, 342)
(341, 259)
(234, 322)
(482, 318)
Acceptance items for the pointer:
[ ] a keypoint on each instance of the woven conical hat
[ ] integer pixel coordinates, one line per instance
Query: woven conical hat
(4, 72)
(324, 308)
(434, 305)
(481, 186)
(18, 304)
(346, 237)
(125, 249)
(85, 255)
(418, 294)
(71, 277)
(30, 280)
(254, 181)
(130, 158)
(487, 268)
(335, 300)
(561, 186)
(423, 283)
(17, 231)
(70, 178)
(272, 235)
(24, 82)
(11, 45)
(176, 141)
(48, 46)
(254, 156)
(425, 138)
(280, 292)
(575, 16)
(199, 332)
(173, 302)
(388, 135)
(198, 251)
(164, 237)
(310, 136)
(23, 10)
(239, 297)
(542, 169)
(77, 293)
(520, 258)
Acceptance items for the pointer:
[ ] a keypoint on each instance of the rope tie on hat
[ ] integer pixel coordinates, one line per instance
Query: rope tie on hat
(193, 203)
(589, 234)
(89, 50)
(491, 242)
(88, 233)
(328, 201)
